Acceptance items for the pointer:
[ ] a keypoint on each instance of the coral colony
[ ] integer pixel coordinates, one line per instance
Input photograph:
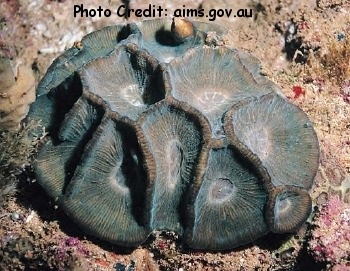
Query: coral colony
(152, 126)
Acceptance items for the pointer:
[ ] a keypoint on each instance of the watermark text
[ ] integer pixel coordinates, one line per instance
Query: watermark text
(156, 11)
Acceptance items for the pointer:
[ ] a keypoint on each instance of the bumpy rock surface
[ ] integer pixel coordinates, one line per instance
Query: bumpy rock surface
(16, 94)
(150, 129)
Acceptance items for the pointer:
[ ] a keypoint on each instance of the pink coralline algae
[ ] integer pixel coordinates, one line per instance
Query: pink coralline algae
(69, 246)
(341, 267)
(330, 240)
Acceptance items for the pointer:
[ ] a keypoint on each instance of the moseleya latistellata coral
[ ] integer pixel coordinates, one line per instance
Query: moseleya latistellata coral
(151, 129)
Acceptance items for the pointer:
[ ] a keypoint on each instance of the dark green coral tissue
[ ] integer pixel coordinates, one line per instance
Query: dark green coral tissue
(153, 126)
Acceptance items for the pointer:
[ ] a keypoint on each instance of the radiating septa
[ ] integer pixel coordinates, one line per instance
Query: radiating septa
(59, 157)
(130, 86)
(172, 140)
(288, 208)
(106, 194)
(227, 209)
(211, 80)
(280, 134)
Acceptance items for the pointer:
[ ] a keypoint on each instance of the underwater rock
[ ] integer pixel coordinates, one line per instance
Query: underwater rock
(155, 130)
(16, 94)
(330, 238)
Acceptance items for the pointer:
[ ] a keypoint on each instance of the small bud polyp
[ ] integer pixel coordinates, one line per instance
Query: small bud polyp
(182, 28)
